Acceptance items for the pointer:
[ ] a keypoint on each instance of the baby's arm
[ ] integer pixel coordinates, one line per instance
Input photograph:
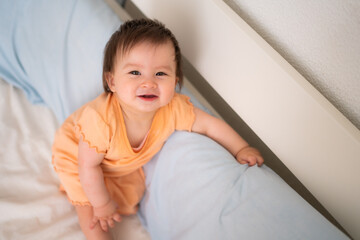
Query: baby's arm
(222, 133)
(92, 181)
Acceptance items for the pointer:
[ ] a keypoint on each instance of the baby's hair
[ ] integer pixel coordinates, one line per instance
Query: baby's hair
(133, 32)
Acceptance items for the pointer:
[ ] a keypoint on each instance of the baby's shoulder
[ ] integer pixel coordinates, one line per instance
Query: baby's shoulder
(100, 101)
(100, 108)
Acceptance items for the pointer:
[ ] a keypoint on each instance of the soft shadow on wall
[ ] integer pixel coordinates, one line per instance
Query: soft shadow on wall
(319, 39)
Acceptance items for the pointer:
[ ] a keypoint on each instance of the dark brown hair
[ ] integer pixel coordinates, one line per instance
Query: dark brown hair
(133, 32)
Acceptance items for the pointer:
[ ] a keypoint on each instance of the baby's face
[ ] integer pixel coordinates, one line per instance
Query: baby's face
(144, 79)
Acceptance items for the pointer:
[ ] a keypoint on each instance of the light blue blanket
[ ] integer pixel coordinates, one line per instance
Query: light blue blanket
(196, 190)
(52, 50)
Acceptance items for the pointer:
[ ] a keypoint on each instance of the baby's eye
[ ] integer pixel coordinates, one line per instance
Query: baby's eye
(160, 74)
(135, 73)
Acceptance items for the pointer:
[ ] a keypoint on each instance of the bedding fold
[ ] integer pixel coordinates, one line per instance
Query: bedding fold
(53, 50)
(204, 193)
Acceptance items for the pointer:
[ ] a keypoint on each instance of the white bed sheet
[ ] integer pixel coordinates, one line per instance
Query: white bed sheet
(31, 205)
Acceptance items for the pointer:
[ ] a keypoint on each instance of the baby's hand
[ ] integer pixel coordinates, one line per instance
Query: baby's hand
(105, 215)
(249, 155)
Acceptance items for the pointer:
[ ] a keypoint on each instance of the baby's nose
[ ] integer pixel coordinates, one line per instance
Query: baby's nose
(149, 83)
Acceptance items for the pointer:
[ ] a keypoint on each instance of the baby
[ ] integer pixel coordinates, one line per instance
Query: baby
(100, 149)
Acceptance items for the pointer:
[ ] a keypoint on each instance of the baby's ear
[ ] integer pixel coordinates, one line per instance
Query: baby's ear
(110, 81)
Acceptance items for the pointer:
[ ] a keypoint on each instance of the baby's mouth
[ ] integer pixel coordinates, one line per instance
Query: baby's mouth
(148, 97)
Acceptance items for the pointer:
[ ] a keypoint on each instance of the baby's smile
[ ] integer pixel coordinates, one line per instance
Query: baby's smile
(148, 97)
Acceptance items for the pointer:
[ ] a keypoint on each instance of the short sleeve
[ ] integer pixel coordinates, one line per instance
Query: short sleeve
(183, 111)
(94, 130)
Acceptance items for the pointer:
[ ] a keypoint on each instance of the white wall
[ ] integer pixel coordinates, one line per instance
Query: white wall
(319, 38)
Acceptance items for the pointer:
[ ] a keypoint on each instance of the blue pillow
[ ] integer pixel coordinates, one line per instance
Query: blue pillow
(53, 50)
(195, 189)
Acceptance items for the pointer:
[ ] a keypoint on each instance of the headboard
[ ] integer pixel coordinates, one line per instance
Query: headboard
(308, 134)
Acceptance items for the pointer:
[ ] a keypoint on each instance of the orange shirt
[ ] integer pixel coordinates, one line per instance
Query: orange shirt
(102, 126)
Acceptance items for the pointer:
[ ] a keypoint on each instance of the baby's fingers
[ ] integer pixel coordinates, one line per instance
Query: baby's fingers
(93, 222)
(260, 161)
(241, 161)
(117, 217)
(251, 160)
(104, 225)
(111, 222)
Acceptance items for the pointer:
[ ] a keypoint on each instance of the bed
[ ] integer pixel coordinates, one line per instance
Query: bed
(49, 68)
